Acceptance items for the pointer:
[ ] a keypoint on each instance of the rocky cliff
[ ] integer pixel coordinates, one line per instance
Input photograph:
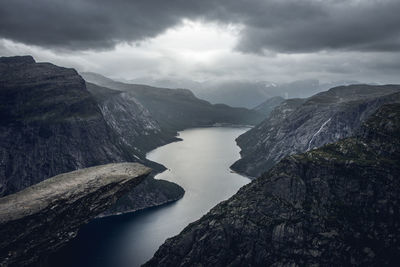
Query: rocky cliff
(150, 193)
(298, 125)
(38, 220)
(130, 120)
(334, 206)
(49, 124)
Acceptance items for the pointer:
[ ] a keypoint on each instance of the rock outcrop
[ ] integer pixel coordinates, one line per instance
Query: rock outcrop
(298, 125)
(38, 220)
(150, 193)
(338, 205)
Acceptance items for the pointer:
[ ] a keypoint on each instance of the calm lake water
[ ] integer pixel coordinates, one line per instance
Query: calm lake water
(200, 164)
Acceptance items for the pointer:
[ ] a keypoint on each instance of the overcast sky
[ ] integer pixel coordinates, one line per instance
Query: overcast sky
(279, 40)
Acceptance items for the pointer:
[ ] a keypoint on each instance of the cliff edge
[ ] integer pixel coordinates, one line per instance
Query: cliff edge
(41, 218)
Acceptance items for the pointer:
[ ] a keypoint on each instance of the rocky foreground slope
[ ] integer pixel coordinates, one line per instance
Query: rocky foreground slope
(41, 218)
(338, 205)
(298, 125)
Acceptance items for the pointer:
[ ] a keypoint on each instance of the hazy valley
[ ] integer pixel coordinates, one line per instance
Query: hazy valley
(67, 123)
(199, 133)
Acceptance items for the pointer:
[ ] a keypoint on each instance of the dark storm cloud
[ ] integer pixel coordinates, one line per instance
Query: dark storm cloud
(348, 25)
(280, 25)
(78, 24)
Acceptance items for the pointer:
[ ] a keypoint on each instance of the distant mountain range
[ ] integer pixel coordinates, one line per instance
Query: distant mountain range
(177, 109)
(243, 93)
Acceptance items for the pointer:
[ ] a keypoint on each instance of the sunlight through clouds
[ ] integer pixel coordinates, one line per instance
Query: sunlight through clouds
(201, 51)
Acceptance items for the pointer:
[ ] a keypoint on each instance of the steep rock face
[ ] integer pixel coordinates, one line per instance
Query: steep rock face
(49, 124)
(150, 193)
(138, 132)
(41, 218)
(269, 105)
(299, 125)
(334, 206)
(177, 109)
(131, 121)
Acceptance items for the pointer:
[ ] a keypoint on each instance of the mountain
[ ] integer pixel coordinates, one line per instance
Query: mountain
(130, 120)
(177, 109)
(38, 220)
(333, 206)
(244, 93)
(298, 125)
(51, 123)
(236, 93)
(268, 105)
(166, 83)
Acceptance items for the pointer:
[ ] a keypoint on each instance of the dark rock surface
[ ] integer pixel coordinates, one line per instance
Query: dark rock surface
(177, 109)
(150, 193)
(49, 124)
(41, 218)
(130, 120)
(298, 125)
(334, 206)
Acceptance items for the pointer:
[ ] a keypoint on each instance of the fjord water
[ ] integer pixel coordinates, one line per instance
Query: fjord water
(200, 164)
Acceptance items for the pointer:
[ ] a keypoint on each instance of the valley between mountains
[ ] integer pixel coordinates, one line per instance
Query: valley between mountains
(324, 169)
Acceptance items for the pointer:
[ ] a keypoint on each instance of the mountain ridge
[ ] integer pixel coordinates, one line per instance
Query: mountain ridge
(299, 125)
(178, 109)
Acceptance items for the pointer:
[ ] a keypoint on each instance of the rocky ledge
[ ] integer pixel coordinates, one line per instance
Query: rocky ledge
(41, 218)
(150, 193)
(338, 205)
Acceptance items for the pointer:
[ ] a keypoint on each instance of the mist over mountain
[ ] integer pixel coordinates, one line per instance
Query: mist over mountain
(176, 109)
(244, 93)
(123, 122)
(269, 105)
